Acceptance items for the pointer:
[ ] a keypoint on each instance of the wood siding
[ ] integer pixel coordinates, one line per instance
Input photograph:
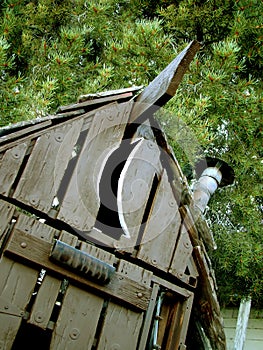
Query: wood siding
(254, 335)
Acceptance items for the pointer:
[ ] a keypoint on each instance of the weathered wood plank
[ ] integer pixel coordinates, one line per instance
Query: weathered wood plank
(34, 135)
(41, 178)
(6, 212)
(162, 228)
(32, 226)
(9, 166)
(95, 101)
(77, 322)
(135, 272)
(17, 283)
(50, 286)
(164, 86)
(121, 328)
(148, 318)
(81, 202)
(182, 254)
(134, 187)
(21, 129)
(36, 252)
(99, 95)
(45, 301)
(98, 253)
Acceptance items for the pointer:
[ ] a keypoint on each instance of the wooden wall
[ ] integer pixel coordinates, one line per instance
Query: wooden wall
(254, 336)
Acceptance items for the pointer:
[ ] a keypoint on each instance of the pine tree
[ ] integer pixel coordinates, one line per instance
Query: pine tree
(220, 100)
(53, 51)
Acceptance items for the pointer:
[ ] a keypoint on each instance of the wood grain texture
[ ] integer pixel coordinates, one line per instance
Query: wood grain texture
(6, 212)
(24, 130)
(41, 178)
(162, 228)
(10, 165)
(45, 301)
(32, 226)
(182, 254)
(121, 328)
(35, 251)
(164, 86)
(96, 101)
(134, 188)
(81, 202)
(77, 322)
(17, 283)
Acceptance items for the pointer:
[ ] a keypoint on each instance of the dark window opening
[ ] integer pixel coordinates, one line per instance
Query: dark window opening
(108, 218)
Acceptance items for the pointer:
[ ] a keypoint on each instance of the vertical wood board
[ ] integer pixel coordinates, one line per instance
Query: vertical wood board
(45, 301)
(77, 321)
(135, 272)
(162, 228)
(10, 165)
(134, 188)
(34, 227)
(81, 202)
(121, 329)
(6, 212)
(45, 168)
(17, 283)
(182, 254)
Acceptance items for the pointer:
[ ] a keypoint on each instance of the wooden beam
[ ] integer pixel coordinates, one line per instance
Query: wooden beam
(34, 251)
(164, 86)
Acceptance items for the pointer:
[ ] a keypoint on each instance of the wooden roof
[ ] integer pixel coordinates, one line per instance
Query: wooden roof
(72, 124)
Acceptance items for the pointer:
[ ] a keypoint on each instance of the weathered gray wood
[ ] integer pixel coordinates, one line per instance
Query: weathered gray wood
(81, 202)
(6, 212)
(134, 188)
(148, 318)
(9, 166)
(121, 328)
(95, 101)
(32, 226)
(99, 95)
(38, 133)
(135, 272)
(77, 322)
(68, 238)
(24, 128)
(17, 283)
(41, 178)
(98, 253)
(45, 301)
(182, 254)
(164, 86)
(162, 228)
(182, 292)
(36, 251)
(49, 289)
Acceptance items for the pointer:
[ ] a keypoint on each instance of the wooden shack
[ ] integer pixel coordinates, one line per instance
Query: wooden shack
(102, 247)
